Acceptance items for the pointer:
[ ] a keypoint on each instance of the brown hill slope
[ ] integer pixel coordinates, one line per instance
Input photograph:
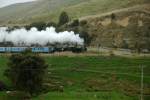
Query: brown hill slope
(124, 28)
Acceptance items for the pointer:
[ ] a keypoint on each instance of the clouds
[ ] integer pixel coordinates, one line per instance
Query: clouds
(4, 3)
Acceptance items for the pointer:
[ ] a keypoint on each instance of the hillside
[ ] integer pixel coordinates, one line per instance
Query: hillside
(121, 28)
(49, 10)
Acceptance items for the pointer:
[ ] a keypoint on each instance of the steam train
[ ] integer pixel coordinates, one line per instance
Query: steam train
(42, 49)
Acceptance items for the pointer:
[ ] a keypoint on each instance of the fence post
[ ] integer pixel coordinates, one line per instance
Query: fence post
(142, 83)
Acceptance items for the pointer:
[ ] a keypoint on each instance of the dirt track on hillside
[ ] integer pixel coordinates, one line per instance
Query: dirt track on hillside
(144, 8)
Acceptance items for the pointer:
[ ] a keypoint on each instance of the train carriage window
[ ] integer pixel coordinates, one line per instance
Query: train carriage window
(33, 48)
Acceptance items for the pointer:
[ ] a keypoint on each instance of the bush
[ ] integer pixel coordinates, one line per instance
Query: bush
(2, 86)
(113, 16)
(26, 72)
(87, 38)
(75, 23)
(83, 22)
(51, 24)
(39, 25)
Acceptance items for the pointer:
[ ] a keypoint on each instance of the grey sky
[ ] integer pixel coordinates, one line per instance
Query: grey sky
(4, 3)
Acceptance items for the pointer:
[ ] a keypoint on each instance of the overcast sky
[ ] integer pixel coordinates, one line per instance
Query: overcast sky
(4, 3)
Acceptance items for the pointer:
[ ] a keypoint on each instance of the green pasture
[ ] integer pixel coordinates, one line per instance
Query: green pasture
(91, 78)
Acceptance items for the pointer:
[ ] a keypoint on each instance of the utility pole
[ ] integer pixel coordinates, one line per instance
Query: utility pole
(141, 83)
(99, 45)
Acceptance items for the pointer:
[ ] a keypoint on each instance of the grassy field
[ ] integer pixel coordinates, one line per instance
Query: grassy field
(91, 78)
(51, 9)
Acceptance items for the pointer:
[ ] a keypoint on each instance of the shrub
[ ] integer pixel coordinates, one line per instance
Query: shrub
(26, 72)
(51, 24)
(75, 23)
(2, 86)
(83, 22)
(87, 38)
(39, 25)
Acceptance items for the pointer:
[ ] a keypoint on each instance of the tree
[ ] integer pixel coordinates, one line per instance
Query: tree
(75, 23)
(87, 38)
(63, 18)
(26, 72)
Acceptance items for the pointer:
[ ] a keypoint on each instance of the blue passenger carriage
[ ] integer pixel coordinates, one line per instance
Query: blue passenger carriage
(41, 49)
(18, 49)
(2, 49)
(21, 49)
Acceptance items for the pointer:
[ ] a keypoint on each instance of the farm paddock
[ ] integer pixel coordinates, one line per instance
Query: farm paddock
(90, 78)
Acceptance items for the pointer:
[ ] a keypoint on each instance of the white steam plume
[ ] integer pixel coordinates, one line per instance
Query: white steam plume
(43, 37)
